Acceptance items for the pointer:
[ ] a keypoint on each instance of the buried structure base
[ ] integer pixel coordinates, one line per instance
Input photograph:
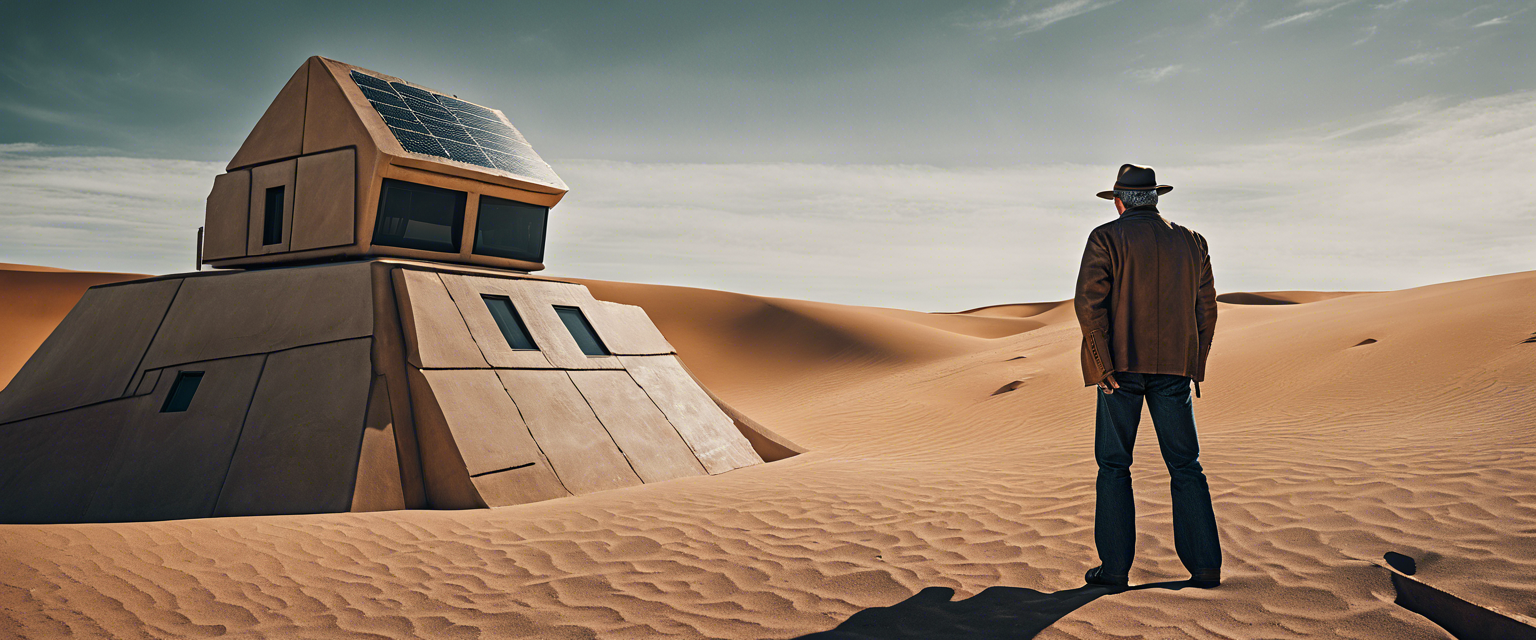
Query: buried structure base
(357, 386)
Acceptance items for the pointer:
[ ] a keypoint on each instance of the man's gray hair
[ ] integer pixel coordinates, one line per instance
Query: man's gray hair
(1136, 198)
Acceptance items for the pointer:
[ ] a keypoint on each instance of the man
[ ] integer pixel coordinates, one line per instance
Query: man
(1146, 303)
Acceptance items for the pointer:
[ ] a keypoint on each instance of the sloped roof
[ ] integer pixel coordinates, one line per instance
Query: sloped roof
(329, 104)
(430, 123)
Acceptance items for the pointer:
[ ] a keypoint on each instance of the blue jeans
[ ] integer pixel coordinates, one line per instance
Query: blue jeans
(1114, 525)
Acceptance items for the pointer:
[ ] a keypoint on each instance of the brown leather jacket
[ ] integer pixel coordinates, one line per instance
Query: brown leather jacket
(1146, 300)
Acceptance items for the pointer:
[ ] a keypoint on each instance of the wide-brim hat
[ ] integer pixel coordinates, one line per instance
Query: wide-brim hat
(1134, 178)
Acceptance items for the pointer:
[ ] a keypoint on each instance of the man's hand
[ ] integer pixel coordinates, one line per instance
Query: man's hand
(1108, 384)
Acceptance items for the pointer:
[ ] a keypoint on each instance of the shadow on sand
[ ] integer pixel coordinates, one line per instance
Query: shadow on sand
(997, 612)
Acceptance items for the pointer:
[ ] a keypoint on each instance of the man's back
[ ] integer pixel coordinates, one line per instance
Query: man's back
(1147, 305)
(1146, 298)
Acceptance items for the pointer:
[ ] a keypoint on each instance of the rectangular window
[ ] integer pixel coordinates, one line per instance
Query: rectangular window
(272, 225)
(509, 229)
(582, 331)
(511, 325)
(182, 390)
(416, 216)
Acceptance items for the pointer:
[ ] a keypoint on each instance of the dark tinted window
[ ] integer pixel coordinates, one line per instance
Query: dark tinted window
(272, 225)
(512, 327)
(416, 216)
(182, 391)
(582, 331)
(510, 229)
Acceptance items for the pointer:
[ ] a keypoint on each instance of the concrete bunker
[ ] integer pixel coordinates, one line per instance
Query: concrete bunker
(371, 338)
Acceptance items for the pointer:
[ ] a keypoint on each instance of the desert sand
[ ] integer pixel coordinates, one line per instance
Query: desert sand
(945, 451)
(36, 299)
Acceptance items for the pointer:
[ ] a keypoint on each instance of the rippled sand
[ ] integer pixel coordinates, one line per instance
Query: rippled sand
(1322, 455)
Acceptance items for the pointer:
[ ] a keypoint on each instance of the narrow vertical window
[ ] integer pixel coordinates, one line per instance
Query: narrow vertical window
(182, 391)
(511, 325)
(582, 331)
(272, 227)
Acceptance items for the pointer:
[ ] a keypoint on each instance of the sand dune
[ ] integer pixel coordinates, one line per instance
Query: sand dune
(36, 299)
(754, 344)
(1023, 310)
(1323, 454)
(1280, 297)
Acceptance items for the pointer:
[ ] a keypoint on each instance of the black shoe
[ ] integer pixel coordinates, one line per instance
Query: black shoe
(1096, 576)
(1205, 578)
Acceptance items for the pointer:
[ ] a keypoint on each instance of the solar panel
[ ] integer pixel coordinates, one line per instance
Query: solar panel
(446, 127)
(408, 125)
(418, 143)
(365, 80)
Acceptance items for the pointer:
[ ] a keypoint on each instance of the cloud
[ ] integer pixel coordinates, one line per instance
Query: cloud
(1224, 14)
(1498, 20)
(1370, 32)
(1427, 57)
(62, 119)
(1030, 16)
(62, 207)
(1411, 201)
(1305, 16)
(1418, 194)
(1155, 75)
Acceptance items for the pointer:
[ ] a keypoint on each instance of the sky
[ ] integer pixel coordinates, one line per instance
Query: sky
(923, 155)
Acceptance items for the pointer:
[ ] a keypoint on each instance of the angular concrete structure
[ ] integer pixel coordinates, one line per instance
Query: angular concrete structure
(329, 143)
(373, 340)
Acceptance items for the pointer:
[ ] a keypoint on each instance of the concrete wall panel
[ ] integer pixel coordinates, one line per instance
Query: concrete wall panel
(712, 434)
(486, 425)
(532, 483)
(484, 329)
(263, 177)
(280, 131)
(490, 435)
(227, 220)
(535, 301)
(332, 117)
(332, 122)
(389, 361)
(435, 334)
(171, 465)
(653, 446)
(378, 486)
(94, 353)
(769, 444)
(264, 311)
(324, 201)
(584, 456)
(626, 330)
(445, 479)
(50, 466)
(298, 452)
(147, 382)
